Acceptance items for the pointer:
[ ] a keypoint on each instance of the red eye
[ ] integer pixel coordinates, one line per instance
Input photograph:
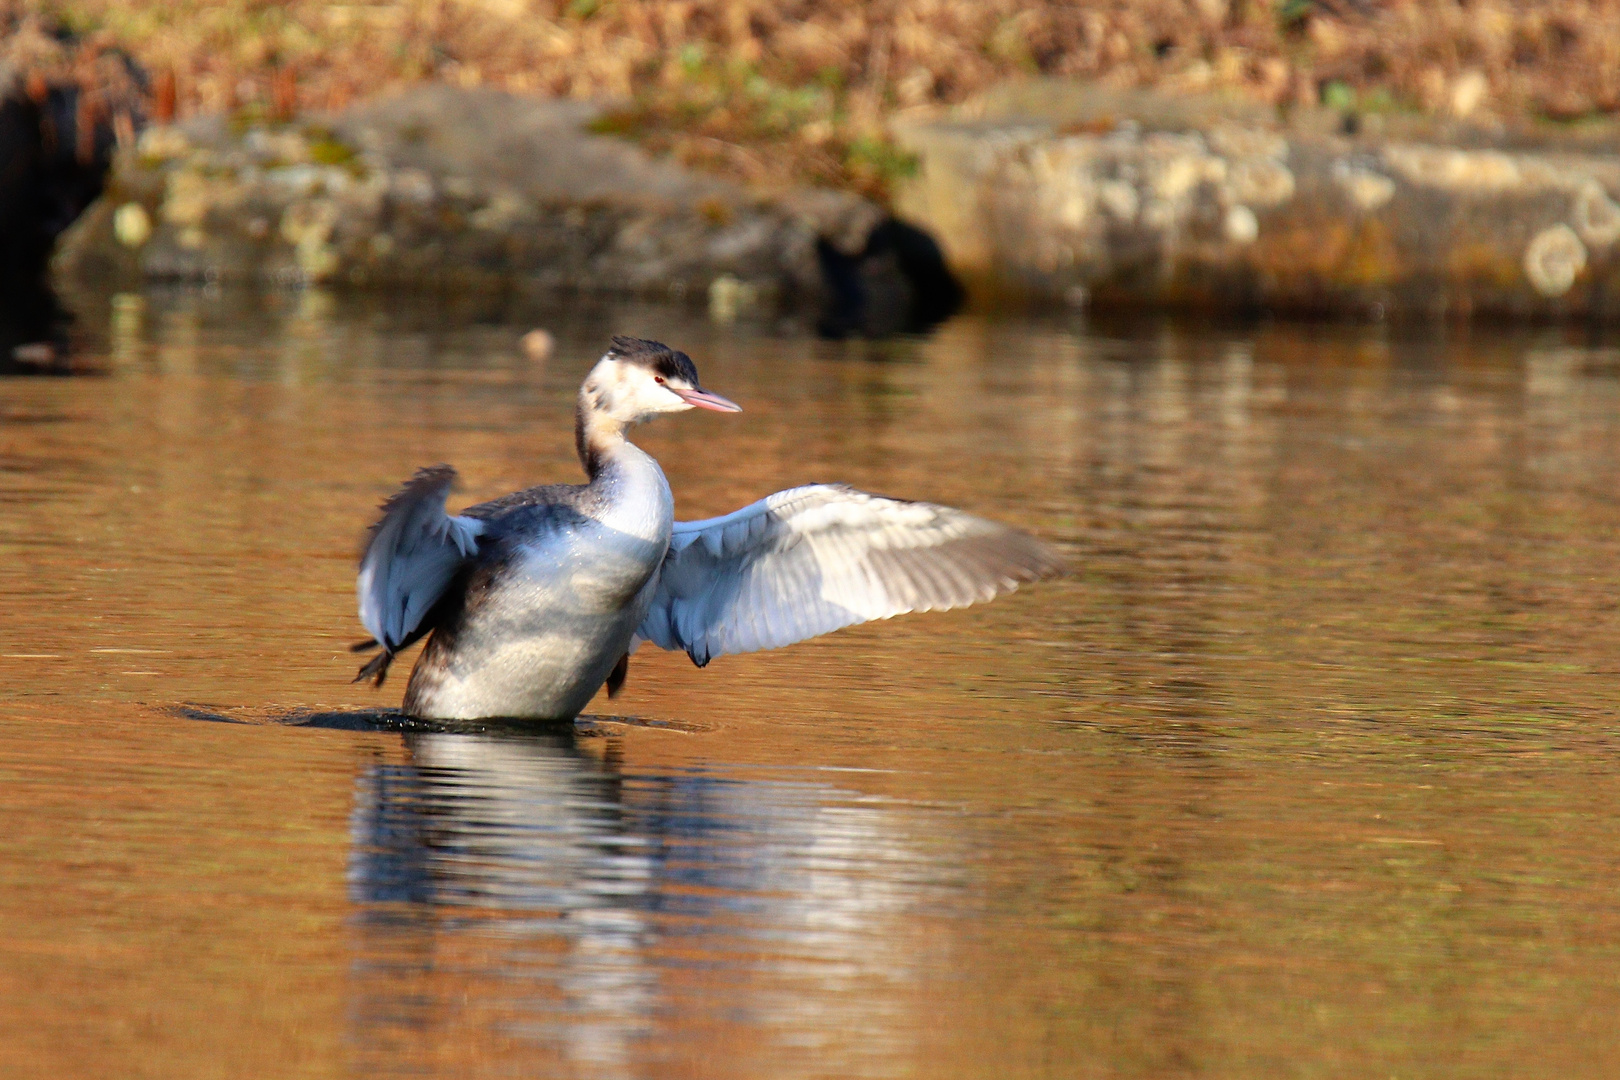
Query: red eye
(659, 379)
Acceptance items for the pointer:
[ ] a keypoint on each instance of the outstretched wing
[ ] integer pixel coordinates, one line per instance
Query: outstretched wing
(809, 560)
(412, 555)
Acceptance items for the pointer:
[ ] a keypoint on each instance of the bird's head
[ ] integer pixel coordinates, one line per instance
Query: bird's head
(636, 380)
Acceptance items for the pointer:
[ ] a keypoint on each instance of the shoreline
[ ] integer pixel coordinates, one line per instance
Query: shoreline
(443, 188)
(1049, 194)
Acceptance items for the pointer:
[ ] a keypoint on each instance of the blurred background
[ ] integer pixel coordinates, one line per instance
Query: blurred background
(799, 91)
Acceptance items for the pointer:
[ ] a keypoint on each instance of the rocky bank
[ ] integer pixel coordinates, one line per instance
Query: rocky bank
(1071, 194)
(453, 188)
(1044, 191)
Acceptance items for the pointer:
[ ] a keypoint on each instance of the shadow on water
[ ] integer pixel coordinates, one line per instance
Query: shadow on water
(392, 720)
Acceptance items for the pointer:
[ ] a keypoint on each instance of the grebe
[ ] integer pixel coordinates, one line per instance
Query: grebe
(536, 600)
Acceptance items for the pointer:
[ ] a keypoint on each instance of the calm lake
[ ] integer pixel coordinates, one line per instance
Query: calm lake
(1307, 769)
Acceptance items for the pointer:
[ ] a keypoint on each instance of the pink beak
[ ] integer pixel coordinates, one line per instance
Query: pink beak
(702, 399)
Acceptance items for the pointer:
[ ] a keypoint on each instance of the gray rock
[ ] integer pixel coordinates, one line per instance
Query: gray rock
(461, 188)
(1052, 191)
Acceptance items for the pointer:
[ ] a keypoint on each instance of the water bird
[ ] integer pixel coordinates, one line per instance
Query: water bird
(533, 602)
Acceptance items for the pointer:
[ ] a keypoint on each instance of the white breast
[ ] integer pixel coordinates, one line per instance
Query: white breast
(558, 617)
(636, 499)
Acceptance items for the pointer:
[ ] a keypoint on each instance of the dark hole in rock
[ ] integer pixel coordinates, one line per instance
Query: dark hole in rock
(898, 283)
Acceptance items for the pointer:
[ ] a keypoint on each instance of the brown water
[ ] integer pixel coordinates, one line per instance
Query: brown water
(1307, 770)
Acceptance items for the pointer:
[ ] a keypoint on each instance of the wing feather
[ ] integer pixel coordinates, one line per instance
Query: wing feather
(813, 559)
(411, 556)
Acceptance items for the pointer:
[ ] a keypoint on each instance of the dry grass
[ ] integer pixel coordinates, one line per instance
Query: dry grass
(797, 89)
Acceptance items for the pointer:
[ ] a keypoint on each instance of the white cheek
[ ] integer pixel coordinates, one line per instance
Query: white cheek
(670, 401)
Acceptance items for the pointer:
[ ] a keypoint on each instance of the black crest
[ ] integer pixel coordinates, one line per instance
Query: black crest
(656, 357)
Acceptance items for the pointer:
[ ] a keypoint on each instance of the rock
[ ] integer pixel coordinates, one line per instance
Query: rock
(538, 345)
(1056, 191)
(1554, 259)
(1596, 216)
(448, 187)
(730, 296)
(132, 225)
(39, 354)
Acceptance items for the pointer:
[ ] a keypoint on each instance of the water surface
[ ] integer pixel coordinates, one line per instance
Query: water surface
(1305, 770)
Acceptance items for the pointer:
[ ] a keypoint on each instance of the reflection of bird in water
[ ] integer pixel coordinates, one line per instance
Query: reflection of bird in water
(536, 599)
(516, 887)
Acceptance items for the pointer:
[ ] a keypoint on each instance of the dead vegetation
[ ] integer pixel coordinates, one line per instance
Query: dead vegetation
(776, 90)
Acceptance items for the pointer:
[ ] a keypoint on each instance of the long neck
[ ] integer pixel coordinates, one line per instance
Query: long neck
(597, 436)
(632, 497)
